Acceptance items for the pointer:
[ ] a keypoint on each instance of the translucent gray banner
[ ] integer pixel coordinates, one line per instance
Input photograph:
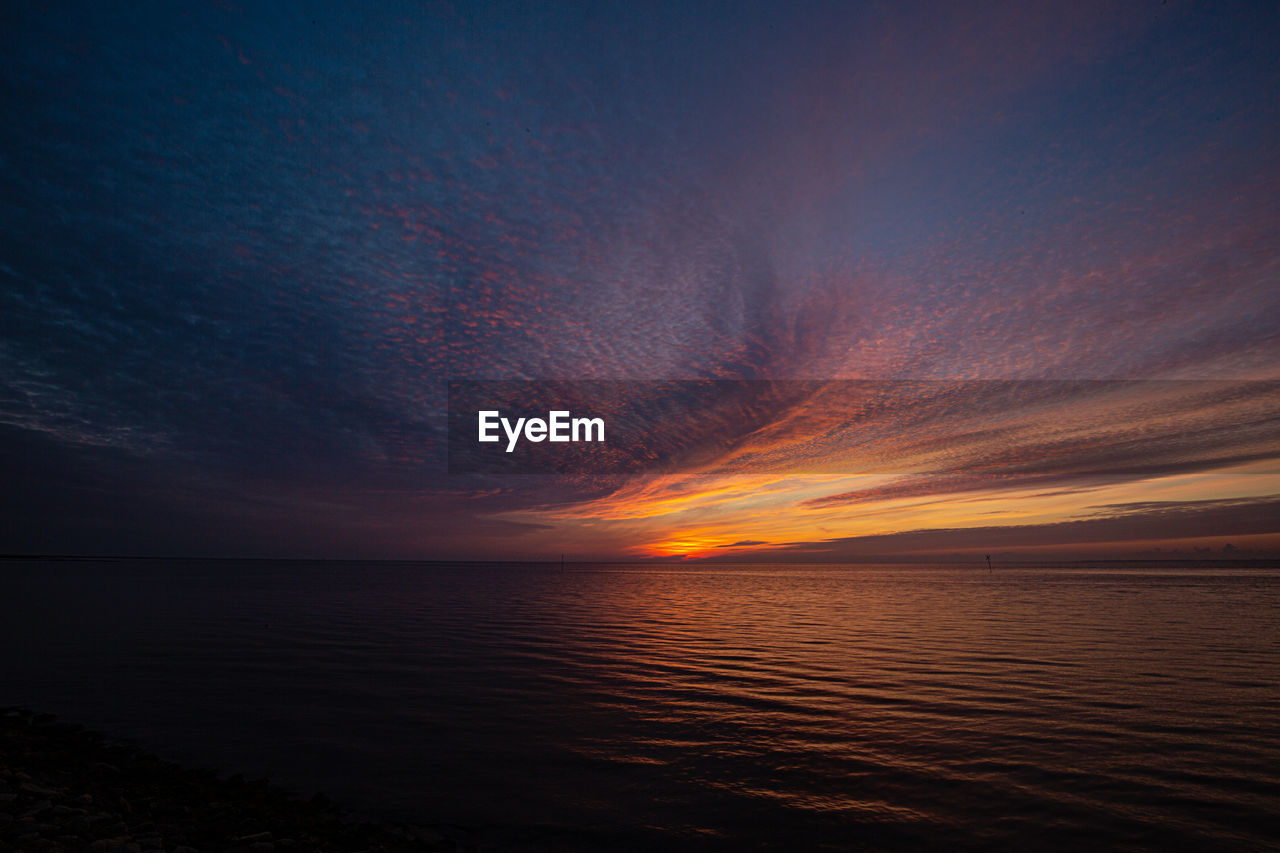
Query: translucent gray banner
(998, 428)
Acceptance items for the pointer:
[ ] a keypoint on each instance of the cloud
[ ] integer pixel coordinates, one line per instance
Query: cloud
(1112, 529)
(248, 265)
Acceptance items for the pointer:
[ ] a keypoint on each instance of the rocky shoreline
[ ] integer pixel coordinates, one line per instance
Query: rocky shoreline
(63, 787)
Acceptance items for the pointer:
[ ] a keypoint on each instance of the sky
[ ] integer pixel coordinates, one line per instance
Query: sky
(1019, 262)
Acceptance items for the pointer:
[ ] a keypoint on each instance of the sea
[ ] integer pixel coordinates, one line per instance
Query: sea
(690, 706)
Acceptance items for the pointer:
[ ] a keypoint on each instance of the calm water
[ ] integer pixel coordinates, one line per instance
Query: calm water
(733, 707)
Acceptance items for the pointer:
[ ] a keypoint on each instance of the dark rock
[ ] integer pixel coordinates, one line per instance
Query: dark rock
(90, 794)
(36, 808)
(38, 790)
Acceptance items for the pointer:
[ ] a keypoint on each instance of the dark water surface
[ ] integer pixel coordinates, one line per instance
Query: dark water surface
(723, 707)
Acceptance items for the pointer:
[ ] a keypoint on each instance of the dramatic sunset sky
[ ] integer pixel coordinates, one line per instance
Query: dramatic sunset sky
(245, 247)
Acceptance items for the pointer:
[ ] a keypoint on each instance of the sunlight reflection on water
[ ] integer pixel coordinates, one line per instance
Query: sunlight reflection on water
(760, 706)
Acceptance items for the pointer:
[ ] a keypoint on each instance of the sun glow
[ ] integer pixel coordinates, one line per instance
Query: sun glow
(696, 517)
